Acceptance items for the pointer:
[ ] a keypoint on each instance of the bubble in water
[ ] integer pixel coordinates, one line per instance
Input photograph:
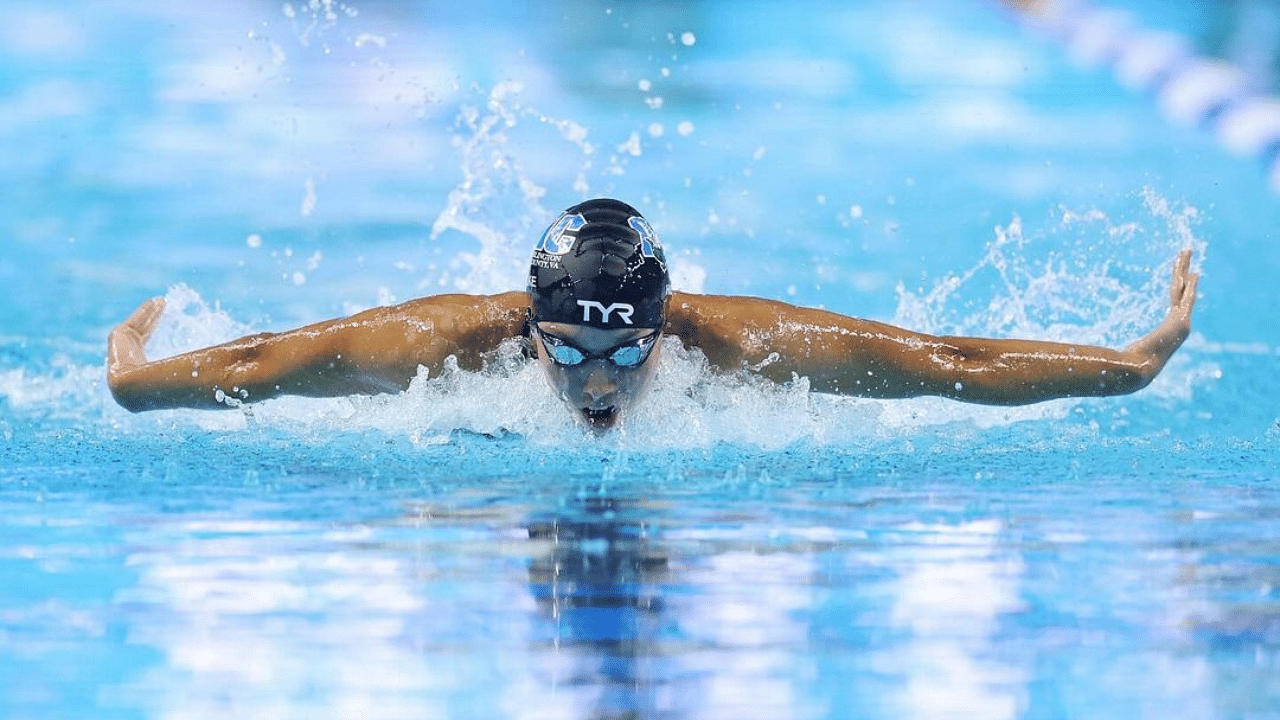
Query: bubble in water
(313, 17)
(631, 146)
(687, 276)
(688, 39)
(308, 205)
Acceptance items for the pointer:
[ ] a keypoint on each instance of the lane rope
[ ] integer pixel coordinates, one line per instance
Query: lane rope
(1189, 89)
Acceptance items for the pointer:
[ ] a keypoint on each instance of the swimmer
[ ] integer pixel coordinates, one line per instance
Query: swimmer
(597, 306)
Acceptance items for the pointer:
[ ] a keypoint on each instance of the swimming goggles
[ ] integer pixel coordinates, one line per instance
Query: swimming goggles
(628, 355)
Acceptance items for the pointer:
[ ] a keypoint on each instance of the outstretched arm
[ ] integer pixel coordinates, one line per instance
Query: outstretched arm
(375, 351)
(849, 356)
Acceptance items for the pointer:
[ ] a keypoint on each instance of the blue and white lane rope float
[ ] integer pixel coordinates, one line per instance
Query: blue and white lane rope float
(1189, 89)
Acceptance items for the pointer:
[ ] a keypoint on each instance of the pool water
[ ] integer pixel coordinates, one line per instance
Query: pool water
(738, 549)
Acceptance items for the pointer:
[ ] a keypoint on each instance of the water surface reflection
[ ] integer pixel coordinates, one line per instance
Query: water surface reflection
(594, 606)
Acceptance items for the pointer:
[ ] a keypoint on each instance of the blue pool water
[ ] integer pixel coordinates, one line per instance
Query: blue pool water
(740, 550)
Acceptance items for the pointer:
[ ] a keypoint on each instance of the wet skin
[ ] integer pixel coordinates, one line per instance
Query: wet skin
(598, 391)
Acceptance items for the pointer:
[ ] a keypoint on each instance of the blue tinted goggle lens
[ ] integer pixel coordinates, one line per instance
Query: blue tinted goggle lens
(627, 355)
(564, 354)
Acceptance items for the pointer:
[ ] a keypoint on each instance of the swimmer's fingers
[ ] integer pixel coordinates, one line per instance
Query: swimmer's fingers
(1182, 291)
(1188, 300)
(1161, 343)
(144, 319)
(126, 347)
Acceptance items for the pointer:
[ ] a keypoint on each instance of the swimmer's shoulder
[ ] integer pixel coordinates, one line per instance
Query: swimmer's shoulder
(712, 323)
(476, 320)
(729, 329)
(687, 312)
(503, 308)
(425, 330)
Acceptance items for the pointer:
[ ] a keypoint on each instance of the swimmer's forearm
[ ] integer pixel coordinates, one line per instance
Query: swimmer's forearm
(1009, 372)
(236, 373)
(849, 356)
(160, 385)
(167, 384)
(879, 363)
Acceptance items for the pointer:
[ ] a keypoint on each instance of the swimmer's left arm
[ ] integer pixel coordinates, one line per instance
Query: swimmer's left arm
(849, 356)
(377, 351)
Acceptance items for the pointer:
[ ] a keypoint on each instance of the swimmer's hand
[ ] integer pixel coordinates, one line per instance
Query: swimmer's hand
(1154, 350)
(127, 346)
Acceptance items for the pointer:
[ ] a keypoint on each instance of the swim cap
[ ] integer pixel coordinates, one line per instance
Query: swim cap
(599, 264)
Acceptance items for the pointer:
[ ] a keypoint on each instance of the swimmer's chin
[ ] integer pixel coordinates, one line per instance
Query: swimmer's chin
(600, 420)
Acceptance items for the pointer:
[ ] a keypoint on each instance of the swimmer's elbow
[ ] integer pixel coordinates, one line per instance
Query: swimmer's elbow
(122, 391)
(140, 394)
(1129, 380)
(1127, 375)
(127, 397)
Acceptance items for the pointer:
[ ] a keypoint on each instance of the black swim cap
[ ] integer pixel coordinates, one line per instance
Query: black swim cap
(599, 264)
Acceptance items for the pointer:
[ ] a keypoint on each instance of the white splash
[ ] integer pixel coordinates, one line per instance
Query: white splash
(497, 203)
(1088, 278)
(189, 322)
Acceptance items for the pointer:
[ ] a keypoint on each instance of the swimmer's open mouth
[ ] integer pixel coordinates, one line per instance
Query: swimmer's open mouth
(601, 418)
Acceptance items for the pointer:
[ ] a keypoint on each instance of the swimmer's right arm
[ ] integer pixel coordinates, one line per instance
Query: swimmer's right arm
(851, 356)
(376, 351)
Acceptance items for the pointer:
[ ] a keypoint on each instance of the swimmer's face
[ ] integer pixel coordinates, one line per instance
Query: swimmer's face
(601, 374)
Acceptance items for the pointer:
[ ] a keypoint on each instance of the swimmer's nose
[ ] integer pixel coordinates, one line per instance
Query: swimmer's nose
(599, 384)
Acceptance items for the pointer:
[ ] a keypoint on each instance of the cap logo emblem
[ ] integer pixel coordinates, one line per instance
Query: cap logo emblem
(648, 238)
(558, 239)
(624, 310)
